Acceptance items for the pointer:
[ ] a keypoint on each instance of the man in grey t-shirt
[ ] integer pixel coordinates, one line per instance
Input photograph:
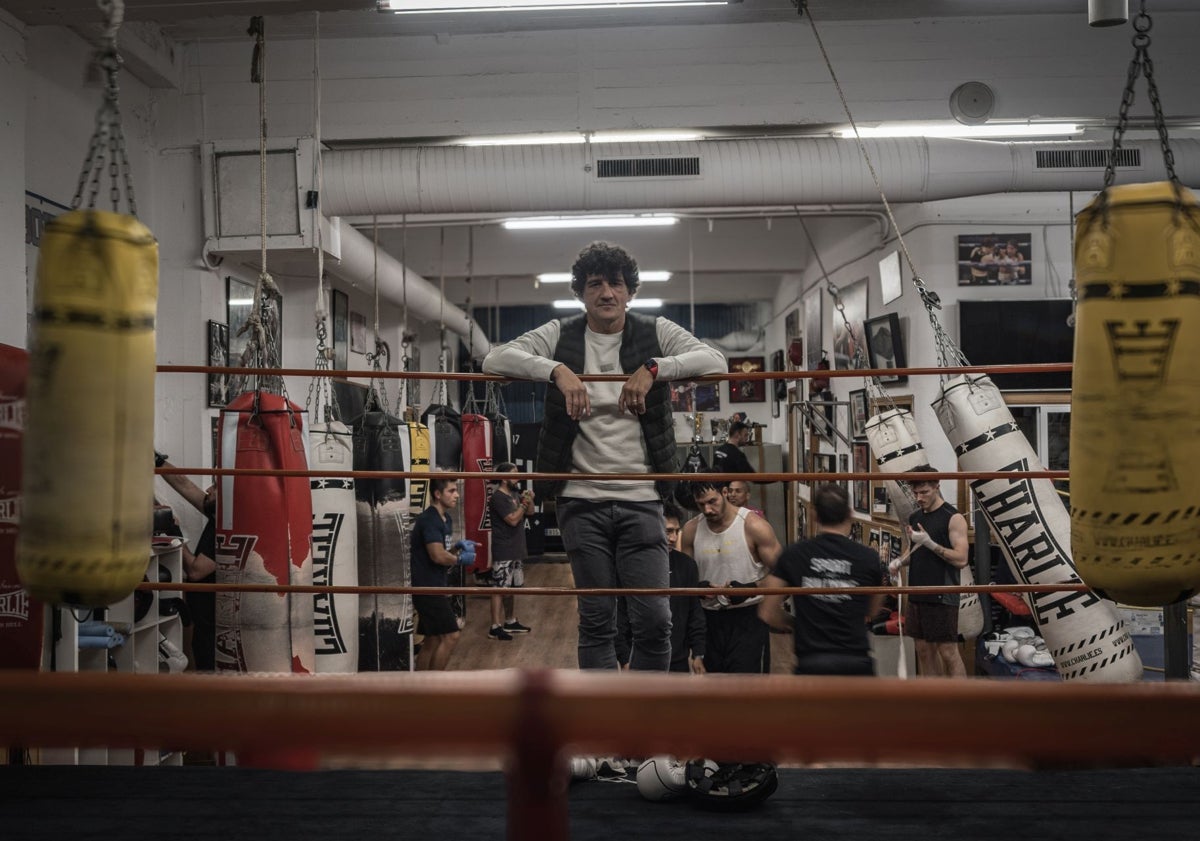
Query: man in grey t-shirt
(508, 508)
(612, 530)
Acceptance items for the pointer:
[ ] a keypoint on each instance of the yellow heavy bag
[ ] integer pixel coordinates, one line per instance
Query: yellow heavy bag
(88, 481)
(1135, 405)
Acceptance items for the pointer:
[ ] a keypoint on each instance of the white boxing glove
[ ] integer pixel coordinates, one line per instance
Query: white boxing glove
(922, 538)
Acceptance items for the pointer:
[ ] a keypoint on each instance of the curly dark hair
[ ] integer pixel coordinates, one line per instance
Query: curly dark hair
(610, 261)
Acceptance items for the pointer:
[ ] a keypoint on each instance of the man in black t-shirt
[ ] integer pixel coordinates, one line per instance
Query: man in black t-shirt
(729, 458)
(938, 535)
(830, 631)
(508, 508)
(432, 557)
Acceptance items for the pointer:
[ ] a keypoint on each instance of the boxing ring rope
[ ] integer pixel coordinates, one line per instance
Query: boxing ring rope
(534, 719)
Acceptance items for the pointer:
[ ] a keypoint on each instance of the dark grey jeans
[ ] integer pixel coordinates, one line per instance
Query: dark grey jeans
(611, 543)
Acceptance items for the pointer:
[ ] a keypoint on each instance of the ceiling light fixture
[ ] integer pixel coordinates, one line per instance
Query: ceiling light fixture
(635, 304)
(565, 277)
(560, 139)
(649, 220)
(958, 130)
(424, 7)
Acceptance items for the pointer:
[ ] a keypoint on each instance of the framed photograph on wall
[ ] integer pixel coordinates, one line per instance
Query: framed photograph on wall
(885, 345)
(846, 339)
(747, 391)
(218, 357)
(858, 413)
(341, 330)
(995, 259)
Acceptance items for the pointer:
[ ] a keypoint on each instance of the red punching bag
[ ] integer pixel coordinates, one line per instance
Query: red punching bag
(264, 536)
(20, 616)
(477, 457)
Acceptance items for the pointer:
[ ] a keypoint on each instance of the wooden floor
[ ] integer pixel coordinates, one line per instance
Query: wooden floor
(554, 620)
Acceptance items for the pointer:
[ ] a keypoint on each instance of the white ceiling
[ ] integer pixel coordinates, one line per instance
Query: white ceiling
(186, 20)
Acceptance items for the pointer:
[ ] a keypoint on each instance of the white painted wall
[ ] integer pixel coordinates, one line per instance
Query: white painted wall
(13, 308)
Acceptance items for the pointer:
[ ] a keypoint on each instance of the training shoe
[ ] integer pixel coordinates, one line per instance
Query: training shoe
(499, 634)
(515, 627)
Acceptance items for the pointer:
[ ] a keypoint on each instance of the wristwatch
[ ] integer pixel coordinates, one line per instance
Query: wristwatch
(651, 366)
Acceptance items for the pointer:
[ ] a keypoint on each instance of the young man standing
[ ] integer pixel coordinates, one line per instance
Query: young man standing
(612, 530)
(738, 493)
(508, 509)
(938, 537)
(729, 458)
(830, 631)
(432, 557)
(732, 548)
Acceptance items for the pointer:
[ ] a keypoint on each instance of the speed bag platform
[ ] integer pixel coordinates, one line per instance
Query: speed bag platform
(1084, 634)
(264, 536)
(1135, 399)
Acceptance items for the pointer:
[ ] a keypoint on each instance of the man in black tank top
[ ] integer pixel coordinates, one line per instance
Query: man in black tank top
(937, 536)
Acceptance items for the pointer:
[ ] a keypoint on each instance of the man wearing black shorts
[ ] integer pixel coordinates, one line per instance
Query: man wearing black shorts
(938, 537)
(432, 557)
(830, 630)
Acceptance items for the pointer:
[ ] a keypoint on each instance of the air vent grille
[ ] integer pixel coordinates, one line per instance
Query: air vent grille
(1086, 158)
(647, 167)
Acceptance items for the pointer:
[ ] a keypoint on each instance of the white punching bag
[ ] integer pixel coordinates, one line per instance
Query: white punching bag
(335, 547)
(1085, 637)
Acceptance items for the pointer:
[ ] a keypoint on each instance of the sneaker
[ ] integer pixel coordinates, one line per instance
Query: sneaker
(515, 627)
(499, 634)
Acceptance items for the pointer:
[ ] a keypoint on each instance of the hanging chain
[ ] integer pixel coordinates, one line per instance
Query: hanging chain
(471, 397)
(1141, 63)
(948, 352)
(107, 137)
(381, 348)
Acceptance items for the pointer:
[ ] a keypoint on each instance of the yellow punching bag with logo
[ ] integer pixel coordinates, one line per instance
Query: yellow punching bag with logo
(88, 478)
(1135, 407)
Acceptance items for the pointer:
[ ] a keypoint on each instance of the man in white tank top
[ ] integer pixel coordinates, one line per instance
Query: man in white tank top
(732, 548)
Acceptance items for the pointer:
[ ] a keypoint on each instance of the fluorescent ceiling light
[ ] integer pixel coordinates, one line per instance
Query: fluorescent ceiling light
(625, 221)
(419, 7)
(240, 302)
(565, 277)
(960, 130)
(635, 304)
(550, 139)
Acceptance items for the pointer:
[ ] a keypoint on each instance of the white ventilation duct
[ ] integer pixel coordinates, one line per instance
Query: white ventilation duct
(424, 300)
(719, 173)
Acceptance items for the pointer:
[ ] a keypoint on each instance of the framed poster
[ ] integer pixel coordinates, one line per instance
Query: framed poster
(812, 328)
(218, 357)
(778, 387)
(885, 345)
(747, 391)
(239, 302)
(995, 259)
(858, 414)
(891, 284)
(341, 330)
(358, 332)
(848, 324)
(860, 499)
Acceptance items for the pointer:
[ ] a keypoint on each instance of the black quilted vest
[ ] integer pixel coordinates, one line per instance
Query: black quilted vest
(639, 342)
